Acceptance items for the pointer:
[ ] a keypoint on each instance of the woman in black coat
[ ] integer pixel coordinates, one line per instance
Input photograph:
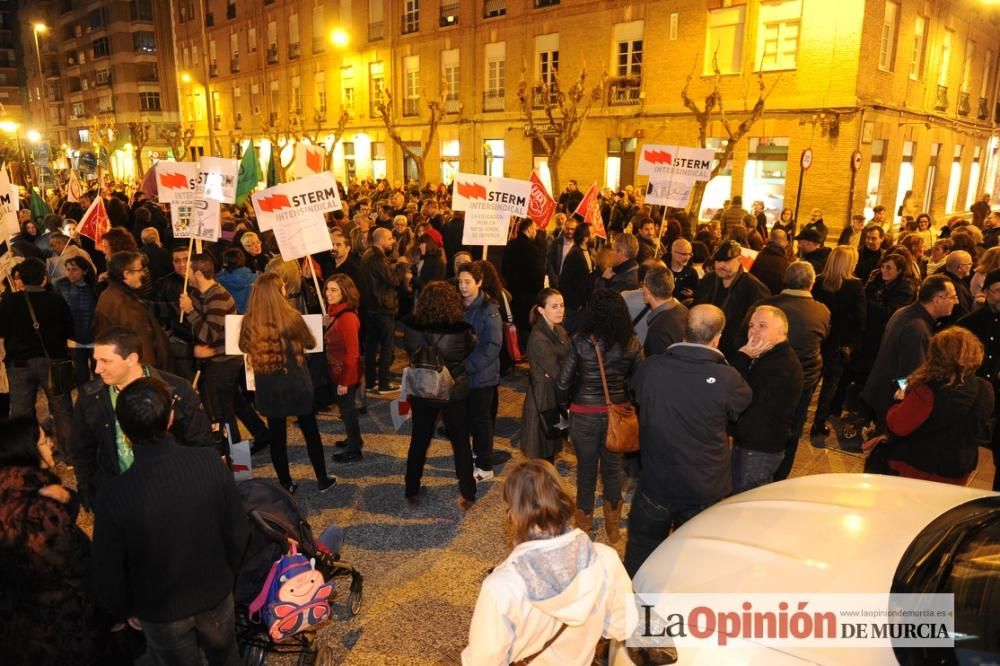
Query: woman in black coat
(577, 277)
(844, 295)
(887, 290)
(438, 322)
(548, 346)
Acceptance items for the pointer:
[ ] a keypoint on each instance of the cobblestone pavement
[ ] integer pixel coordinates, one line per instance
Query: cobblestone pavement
(423, 565)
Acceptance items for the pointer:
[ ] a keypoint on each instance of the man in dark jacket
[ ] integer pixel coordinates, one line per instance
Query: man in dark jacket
(169, 534)
(904, 343)
(624, 275)
(811, 249)
(159, 259)
(957, 268)
(167, 295)
(733, 290)
(771, 262)
(648, 249)
(570, 198)
(817, 224)
(379, 284)
(685, 276)
(30, 352)
(771, 368)
(523, 275)
(808, 326)
(667, 317)
(985, 325)
(851, 235)
(98, 447)
(870, 255)
(559, 248)
(687, 397)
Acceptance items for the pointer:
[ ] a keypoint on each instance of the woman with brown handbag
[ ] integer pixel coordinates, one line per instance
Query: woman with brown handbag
(605, 338)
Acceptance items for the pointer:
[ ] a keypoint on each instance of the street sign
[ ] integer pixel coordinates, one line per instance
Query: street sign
(807, 159)
(856, 160)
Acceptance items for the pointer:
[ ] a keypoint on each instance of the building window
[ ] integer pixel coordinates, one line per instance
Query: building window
(449, 160)
(954, 180)
(493, 154)
(84, 134)
(296, 94)
(450, 78)
(495, 57)
(945, 59)
(547, 59)
(411, 16)
(890, 28)
(619, 168)
(628, 49)
(970, 53)
(213, 63)
(494, 8)
(376, 84)
(931, 176)
(275, 100)
(919, 55)
(319, 22)
(294, 48)
(142, 10)
(347, 88)
(101, 49)
(765, 171)
(234, 52)
(875, 176)
(378, 159)
(778, 35)
(95, 18)
(411, 83)
(376, 24)
(973, 181)
(149, 101)
(906, 173)
(252, 40)
(144, 42)
(103, 77)
(319, 86)
(724, 40)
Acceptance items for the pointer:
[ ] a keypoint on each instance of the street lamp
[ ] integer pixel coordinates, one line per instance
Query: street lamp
(339, 37)
(33, 135)
(41, 28)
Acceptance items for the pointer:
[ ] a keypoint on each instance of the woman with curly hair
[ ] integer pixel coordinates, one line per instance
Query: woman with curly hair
(437, 327)
(275, 339)
(944, 413)
(605, 326)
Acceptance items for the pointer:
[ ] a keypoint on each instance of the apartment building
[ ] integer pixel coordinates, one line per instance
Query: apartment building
(104, 63)
(12, 86)
(889, 96)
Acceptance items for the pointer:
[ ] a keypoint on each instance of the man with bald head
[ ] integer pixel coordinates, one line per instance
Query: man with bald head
(687, 398)
(774, 373)
(685, 276)
(957, 268)
(379, 282)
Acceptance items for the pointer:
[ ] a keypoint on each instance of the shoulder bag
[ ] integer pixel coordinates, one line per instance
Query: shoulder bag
(623, 424)
(554, 422)
(510, 341)
(62, 379)
(527, 660)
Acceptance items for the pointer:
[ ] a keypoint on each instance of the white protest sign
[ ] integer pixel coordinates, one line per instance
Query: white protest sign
(308, 160)
(218, 179)
(489, 204)
(662, 163)
(205, 220)
(234, 322)
(10, 202)
(180, 219)
(285, 202)
(176, 181)
(674, 193)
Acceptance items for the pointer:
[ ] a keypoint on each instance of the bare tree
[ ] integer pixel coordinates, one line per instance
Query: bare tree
(140, 137)
(316, 136)
(273, 132)
(104, 137)
(714, 107)
(435, 106)
(179, 139)
(562, 109)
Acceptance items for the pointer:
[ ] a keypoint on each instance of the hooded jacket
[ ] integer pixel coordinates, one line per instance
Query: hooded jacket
(543, 584)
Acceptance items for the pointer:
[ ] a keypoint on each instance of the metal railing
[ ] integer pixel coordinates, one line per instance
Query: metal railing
(964, 106)
(452, 106)
(942, 98)
(293, 50)
(984, 109)
(540, 99)
(494, 8)
(449, 14)
(411, 106)
(493, 100)
(376, 31)
(272, 54)
(319, 44)
(213, 69)
(234, 64)
(624, 91)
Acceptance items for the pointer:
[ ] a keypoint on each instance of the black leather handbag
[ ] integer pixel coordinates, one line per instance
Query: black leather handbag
(62, 379)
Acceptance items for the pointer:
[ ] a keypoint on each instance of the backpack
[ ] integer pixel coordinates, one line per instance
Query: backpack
(295, 597)
(427, 376)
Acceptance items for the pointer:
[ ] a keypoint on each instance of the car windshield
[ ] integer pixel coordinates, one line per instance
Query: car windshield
(958, 553)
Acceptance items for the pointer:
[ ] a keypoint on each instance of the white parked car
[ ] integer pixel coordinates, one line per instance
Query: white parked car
(840, 533)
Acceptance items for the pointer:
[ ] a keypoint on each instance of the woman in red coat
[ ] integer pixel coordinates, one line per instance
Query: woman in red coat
(343, 358)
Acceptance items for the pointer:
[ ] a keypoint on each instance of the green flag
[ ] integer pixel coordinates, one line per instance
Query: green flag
(247, 179)
(272, 171)
(38, 206)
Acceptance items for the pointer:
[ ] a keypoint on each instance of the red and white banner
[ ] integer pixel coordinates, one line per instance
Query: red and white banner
(590, 210)
(541, 205)
(295, 211)
(489, 204)
(10, 202)
(664, 162)
(95, 222)
(176, 181)
(309, 160)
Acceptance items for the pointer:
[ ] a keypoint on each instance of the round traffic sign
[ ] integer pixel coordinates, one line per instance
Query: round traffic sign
(807, 158)
(856, 160)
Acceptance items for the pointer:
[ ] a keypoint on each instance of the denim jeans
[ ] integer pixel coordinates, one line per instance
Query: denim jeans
(480, 422)
(587, 432)
(753, 468)
(424, 417)
(180, 643)
(650, 522)
(348, 405)
(26, 378)
(379, 343)
(801, 414)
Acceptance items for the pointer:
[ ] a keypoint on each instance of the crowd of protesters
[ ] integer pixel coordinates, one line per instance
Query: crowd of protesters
(721, 333)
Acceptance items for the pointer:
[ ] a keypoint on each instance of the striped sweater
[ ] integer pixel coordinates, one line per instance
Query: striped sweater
(208, 318)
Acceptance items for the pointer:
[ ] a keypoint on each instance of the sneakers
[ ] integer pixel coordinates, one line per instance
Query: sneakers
(482, 474)
(388, 388)
(326, 484)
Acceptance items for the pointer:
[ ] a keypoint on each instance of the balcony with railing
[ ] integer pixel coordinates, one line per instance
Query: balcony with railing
(376, 31)
(494, 8)
(51, 71)
(624, 91)
(234, 64)
(294, 50)
(449, 13)
(984, 109)
(452, 105)
(272, 54)
(964, 106)
(319, 44)
(218, 123)
(493, 100)
(231, 11)
(411, 22)
(238, 121)
(941, 104)
(209, 18)
(213, 69)
(542, 96)
(411, 106)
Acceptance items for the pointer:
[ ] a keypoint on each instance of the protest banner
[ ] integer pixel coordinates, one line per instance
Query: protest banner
(217, 180)
(176, 181)
(10, 202)
(234, 322)
(541, 205)
(489, 204)
(312, 195)
(589, 209)
(672, 172)
(205, 220)
(308, 160)
(95, 223)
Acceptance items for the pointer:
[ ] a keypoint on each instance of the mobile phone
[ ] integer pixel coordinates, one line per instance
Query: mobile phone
(901, 382)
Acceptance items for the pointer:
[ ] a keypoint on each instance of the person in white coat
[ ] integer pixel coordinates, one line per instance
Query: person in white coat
(558, 593)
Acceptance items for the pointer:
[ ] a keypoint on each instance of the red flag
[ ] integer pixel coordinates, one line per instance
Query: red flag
(541, 205)
(590, 210)
(95, 222)
(149, 186)
(314, 160)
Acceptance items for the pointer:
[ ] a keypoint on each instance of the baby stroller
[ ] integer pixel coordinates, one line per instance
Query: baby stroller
(275, 521)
